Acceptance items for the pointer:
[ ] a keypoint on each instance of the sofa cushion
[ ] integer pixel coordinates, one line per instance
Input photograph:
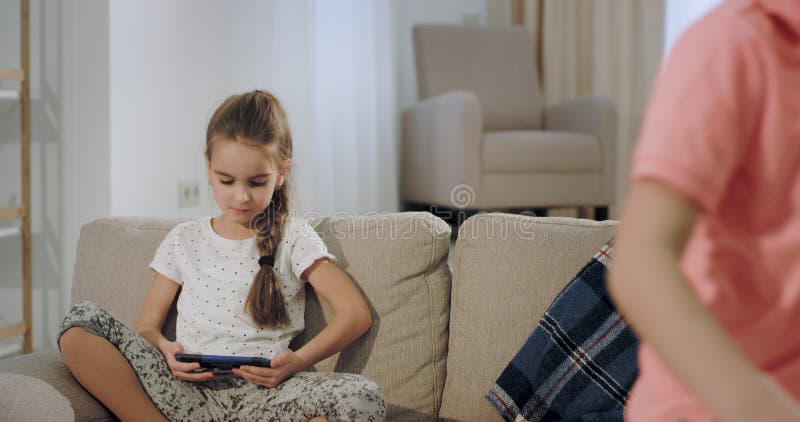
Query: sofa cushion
(39, 387)
(580, 361)
(507, 271)
(51, 405)
(541, 152)
(399, 261)
(112, 265)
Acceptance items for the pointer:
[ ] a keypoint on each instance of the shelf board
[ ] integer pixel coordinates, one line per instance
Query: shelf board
(12, 212)
(12, 74)
(13, 330)
(9, 94)
(9, 231)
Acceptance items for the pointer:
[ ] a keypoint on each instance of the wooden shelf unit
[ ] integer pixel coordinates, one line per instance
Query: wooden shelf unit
(22, 211)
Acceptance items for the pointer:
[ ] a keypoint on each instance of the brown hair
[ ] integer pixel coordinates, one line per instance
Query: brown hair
(257, 118)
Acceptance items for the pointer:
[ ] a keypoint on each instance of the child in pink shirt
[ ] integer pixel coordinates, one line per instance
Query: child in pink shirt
(708, 253)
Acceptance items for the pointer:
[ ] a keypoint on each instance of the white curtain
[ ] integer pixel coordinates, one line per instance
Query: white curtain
(610, 47)
(334, 71)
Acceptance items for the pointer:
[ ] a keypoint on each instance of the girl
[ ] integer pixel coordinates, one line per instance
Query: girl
(241, 278)
(708, 250)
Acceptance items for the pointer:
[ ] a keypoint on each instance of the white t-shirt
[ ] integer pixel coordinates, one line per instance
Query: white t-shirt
(216, 274)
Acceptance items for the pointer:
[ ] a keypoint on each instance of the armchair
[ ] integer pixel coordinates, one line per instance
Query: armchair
(481, 138)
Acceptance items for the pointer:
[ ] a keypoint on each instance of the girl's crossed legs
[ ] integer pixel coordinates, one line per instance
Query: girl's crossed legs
(97, 361)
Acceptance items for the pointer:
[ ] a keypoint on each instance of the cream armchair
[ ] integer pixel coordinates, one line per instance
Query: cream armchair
(481, 137)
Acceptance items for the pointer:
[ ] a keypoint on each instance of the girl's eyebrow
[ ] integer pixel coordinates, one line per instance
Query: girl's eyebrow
(221, 173)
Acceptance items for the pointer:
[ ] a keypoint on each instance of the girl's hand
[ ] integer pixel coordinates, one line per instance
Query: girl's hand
(182, 370)
(281, 367)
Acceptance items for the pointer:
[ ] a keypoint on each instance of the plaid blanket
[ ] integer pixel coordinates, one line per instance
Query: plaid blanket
(580, 361)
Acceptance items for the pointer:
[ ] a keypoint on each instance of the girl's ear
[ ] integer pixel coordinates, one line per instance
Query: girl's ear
(283, 172)
(208, 169)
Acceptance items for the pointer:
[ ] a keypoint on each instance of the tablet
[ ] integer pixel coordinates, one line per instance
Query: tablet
(220, 362)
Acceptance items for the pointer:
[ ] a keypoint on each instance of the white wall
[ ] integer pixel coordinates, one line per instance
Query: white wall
(169, 70)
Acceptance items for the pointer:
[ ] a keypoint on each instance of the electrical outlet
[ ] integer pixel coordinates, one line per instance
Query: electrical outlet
(188, 193)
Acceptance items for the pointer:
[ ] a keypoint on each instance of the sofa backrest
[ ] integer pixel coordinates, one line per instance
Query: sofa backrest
(398, 260)
(111, 266)
(507, 269)
(496, 63)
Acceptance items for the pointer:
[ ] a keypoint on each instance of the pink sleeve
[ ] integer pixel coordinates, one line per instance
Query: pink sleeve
(701, 116)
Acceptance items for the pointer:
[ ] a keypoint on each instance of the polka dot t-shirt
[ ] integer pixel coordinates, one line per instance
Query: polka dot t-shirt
(216, 274)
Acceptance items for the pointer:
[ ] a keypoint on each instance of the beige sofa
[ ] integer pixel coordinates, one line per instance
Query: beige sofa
(438, 340)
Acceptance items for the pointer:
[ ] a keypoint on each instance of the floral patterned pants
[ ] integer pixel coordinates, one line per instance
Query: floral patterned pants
(337, 396)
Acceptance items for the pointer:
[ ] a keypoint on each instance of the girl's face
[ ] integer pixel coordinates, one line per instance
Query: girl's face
(243, 178)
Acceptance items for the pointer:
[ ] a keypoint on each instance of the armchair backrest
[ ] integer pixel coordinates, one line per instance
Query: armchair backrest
(496, 63)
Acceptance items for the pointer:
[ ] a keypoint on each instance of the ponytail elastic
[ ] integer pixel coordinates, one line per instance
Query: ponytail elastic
(268, 260)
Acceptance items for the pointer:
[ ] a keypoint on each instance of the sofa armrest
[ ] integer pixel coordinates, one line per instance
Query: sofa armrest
(39, 386)
(442, 139)
(595, 115)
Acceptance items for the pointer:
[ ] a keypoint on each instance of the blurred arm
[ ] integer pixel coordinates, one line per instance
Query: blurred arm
(652, 292)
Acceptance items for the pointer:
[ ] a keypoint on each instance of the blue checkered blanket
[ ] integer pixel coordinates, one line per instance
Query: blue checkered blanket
(579, 363)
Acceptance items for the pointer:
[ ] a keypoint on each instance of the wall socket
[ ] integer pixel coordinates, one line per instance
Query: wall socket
(188, 193)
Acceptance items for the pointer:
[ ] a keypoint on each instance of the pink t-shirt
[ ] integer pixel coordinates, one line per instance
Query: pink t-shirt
(723, 129)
